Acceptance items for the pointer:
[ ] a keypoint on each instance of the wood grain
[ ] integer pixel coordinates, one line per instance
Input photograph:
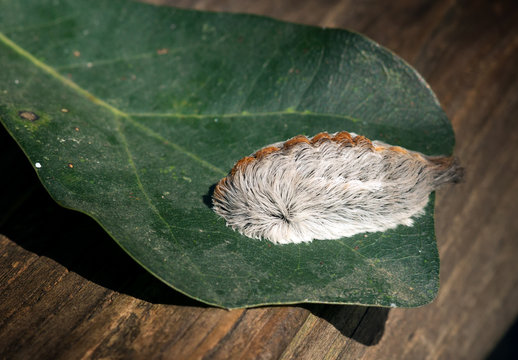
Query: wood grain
(68, 292)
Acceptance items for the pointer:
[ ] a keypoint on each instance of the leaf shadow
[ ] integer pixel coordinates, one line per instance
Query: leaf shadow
(34, 221)
(364, 324)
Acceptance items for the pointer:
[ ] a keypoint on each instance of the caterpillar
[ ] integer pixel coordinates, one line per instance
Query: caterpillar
(328, 187)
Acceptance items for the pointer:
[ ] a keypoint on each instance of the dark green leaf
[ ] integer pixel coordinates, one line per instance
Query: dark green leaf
(131, 112)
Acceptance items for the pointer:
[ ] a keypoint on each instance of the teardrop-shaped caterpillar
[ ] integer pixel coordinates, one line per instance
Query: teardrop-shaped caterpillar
(328, 187)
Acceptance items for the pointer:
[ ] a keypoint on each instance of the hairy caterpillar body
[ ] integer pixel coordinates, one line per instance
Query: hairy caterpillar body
(328, 187)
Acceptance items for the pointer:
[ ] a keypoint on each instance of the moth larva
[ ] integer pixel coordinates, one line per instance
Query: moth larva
(328, 187)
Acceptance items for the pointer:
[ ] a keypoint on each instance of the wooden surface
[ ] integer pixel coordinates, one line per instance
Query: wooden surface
(67, 291)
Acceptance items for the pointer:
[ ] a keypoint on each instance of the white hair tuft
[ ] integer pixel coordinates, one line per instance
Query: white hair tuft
(328, 187)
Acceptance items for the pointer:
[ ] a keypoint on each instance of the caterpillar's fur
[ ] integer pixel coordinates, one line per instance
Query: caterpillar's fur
(328, 187)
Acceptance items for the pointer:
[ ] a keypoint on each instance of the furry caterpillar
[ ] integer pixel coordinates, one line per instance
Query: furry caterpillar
(328, 187)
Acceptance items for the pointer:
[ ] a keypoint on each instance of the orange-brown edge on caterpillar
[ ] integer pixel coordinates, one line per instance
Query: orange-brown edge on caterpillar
(343, 138)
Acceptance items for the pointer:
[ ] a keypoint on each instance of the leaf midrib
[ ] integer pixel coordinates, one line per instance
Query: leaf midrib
(89, 96)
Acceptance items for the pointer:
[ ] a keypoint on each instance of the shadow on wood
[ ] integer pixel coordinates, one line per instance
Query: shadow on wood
(363, 324)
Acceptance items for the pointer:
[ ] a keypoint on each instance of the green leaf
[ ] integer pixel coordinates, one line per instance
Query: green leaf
(141, 109)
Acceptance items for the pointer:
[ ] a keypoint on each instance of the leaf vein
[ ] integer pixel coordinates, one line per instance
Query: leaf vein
(243, 115)
(152, 205)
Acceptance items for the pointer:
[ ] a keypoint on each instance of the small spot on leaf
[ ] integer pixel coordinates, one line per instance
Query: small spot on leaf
(77, 53)
(28, 115)
(162, 51)
(70, 165)
(65, 110)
